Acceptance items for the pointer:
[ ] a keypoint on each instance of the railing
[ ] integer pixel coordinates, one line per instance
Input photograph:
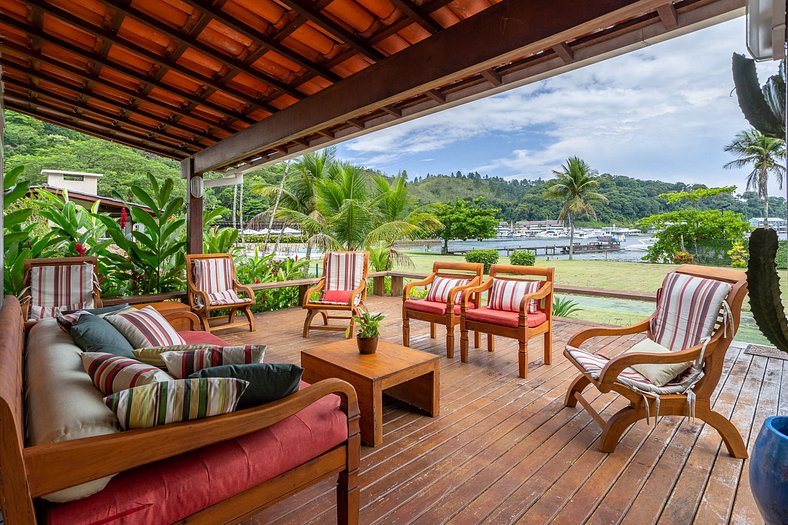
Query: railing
(378, 288)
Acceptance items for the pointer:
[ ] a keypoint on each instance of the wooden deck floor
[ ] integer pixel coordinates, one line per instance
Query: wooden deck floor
(506, 450)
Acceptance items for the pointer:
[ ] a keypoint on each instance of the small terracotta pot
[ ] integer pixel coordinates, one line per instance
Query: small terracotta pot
(367, 345)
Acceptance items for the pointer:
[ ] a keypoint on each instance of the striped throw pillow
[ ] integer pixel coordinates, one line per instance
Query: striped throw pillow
(182, 364)
(185, 400)
(506, 294)
(441, 286)
(687, 309)
(151, 355)
(145, 327)
(111, 373)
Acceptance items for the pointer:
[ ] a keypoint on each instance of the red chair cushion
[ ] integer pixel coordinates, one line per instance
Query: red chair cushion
(167, 491)
(504, 318)
(432, 307)
(201, 338)
(336, 296)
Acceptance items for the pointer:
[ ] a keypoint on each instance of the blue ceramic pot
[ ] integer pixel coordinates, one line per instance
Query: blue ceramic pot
(769, 470)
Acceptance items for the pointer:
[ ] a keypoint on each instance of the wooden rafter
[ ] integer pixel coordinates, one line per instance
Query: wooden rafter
(492, 77)
(564, 51)
(412, 11)
(667, 13)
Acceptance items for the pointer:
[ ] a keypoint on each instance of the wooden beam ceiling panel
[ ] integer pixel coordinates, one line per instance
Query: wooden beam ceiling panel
(564, 51)
(413, 12)
(667, 13)
(446, 57)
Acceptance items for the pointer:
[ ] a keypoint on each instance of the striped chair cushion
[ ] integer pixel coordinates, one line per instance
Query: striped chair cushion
(145, 327)
(344, 270)
(687, 308)
(594, 363)
(152, 354)
(506, 294)
(181, 364)
(214, 275)
(111, 373)
(226, 297)
(442, 286)
(185, 400)
(60, 288)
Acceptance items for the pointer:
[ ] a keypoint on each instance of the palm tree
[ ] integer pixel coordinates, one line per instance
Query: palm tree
(766, 156)
(575, 185)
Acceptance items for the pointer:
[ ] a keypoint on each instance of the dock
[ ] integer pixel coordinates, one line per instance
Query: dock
(591, 247)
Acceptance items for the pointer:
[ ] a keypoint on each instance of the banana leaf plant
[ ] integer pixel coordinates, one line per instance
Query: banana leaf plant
(215, 239)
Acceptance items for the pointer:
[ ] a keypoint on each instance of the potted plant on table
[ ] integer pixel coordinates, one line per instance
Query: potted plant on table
(368, 332)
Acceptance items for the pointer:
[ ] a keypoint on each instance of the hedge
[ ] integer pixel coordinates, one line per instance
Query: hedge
(486, 257)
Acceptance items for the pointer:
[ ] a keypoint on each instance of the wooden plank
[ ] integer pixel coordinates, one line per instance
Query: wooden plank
(460, 51)
(414, 12)
(194, 208)
(564, 51)
(668, 16)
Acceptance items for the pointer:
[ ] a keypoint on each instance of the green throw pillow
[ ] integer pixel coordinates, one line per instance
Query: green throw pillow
(267, 382)
(94, 334)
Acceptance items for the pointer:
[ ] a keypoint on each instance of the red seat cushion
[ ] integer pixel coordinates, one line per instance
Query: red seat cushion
(167, 491)
(432, 307)
(504, 318)
(336, 296)
(201, 338)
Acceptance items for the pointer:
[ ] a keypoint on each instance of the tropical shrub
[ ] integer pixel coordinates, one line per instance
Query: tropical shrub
(683, 257)
(463, 219)
(564, 307)
(265, 269)
(215, 239)
(523, 258)
(739, 255)
(486, 257)
(781, 259)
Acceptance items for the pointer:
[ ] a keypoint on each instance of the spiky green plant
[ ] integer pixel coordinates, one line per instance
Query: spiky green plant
(763, 106)
(564, 307)
(764, 288)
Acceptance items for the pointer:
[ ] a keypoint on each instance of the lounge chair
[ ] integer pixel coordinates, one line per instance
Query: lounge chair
(59, 284)
(212, 286)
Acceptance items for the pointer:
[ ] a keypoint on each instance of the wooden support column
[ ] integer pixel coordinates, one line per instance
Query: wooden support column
(194, 206)
(397, 285)
(379, 285)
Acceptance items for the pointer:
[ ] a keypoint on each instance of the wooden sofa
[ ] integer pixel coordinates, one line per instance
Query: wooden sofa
(29, 472)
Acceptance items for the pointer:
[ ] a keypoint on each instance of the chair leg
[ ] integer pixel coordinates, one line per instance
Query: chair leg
(348, 501)
(351, 325)
(464, 343)
(310, 314)
(432, 330)
(231, 315)
(405, 329)
(490, 343)
(728, 431)
(577, 387)
(522, 358)
(477, 339)
(206, 320)
(325, 317)
(617, 425)
(249, 317)
(548, 347)
(449, 341)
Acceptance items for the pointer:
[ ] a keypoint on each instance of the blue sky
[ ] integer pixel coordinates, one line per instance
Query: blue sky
(665, 112)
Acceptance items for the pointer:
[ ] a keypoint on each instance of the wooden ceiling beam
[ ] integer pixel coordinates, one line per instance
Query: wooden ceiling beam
(393, 111)
(565, 52)
(25, 54)
(492, 76)
(435, 95)
(413, 12)
(18, 86)
(668, 15)
(231, 63)
(80, 52)
(169, 63)
(261, 39)
(452, 55)
(306, 9)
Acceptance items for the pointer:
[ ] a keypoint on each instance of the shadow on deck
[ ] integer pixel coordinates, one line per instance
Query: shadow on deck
(506, 450)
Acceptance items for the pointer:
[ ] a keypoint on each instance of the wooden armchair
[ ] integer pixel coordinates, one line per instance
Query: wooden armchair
(59, 284)
(212, 286)
(516, 308)
(448, 282)
(343, 288)
(700, 339)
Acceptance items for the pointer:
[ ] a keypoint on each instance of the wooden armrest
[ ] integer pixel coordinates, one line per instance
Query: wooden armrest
(245, 289)
(608, 374)
(458, 289)
(607, 331)
(483, 287)
(195, 322)
(544, 291)
(56, 466)
(316, 288)
(413, 284)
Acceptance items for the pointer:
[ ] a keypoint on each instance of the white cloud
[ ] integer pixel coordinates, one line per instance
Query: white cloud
(664, 112)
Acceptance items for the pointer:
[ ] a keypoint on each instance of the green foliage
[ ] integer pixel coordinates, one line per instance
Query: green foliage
(763, 106)
(683, 257)
(738, 255)
(523, 258)
(486, 257)
(696, 195)
(705, 234)
(781, 259)
(265, 269)
(368, 324)
(259, 239)
(465, 220)
(764, 288)
(564, 307)
(215, 239)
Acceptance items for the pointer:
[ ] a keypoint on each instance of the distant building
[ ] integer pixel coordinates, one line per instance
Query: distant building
(774, 223)
(79, 181)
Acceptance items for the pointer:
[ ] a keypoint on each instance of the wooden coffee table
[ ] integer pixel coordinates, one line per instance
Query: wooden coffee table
(409, 375)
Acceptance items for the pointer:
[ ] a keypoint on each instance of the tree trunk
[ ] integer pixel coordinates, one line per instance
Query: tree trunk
(571, 238)
(273, 212)
(445, 249)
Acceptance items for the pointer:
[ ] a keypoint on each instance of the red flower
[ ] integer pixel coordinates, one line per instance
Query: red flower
(124, 218)
(257, 280)
(81, 250)
(296, 259)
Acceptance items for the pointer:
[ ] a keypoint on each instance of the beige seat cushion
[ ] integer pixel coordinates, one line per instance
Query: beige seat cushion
(62, 402)
(661, 374)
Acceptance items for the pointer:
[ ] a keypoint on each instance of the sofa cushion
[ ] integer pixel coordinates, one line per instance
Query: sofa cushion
(69, 318)
(62, 403)
(201, 338)
(145, 327)
(169, 490)
(151, 355)
(181, 364)
(167, 402)
(502, 317)
(112, 373)
(267, 382)
(432, 307)
(93, 334)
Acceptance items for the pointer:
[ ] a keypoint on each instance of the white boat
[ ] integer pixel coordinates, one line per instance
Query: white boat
(642, 246)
